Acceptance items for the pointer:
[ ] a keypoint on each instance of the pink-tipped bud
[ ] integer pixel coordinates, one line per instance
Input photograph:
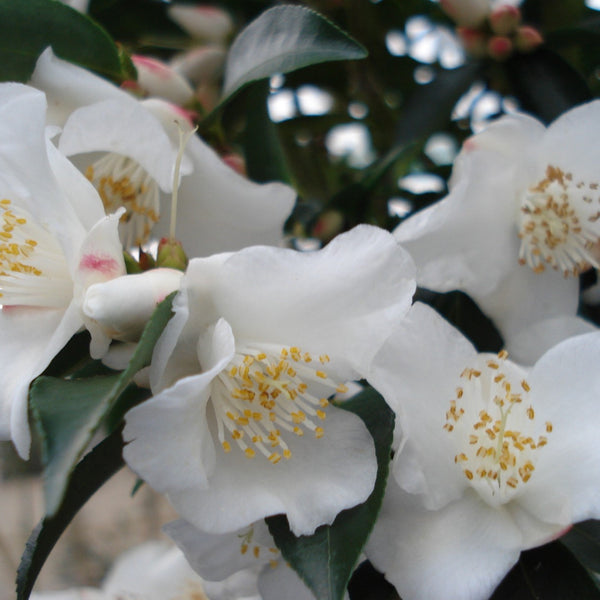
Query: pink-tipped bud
(528, 39)
(500, 47)
(505, 19)
(157, 79)
(205, 23)
(170, 254)
(467, 13)
(474, 41)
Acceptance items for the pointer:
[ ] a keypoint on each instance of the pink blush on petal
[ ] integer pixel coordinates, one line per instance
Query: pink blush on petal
(103, 264)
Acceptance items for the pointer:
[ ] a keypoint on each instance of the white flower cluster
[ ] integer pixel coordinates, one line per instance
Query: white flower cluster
(491, 456)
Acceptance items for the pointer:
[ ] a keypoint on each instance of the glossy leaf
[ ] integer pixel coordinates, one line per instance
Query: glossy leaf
(68, 412)
(549, 572)
(27, 28)
(583, 540)
(88, 476)
(326, 559)
(546, 84)
(283, 39)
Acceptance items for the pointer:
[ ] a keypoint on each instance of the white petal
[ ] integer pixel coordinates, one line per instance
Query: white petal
(282, 583)
(124, 127)
(186, 460)
(530, 343)
(152, 571)
(523, 298)
(339, 469)
(467, 241)
(68, 86)
(320, 301)
(566, 387)
(570, 142)
(459, 552)
(416, 371)
(29, 340)
(214, 556)
(219, 210)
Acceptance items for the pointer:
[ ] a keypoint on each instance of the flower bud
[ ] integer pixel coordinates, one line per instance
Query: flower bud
(157, 79)
(499, 47)
(329, 224)
(170, 254)
(123, 306)
(474, 41)
(467, 13)
(206, 23)
(505, 19)
(236, 162)
(528, 39)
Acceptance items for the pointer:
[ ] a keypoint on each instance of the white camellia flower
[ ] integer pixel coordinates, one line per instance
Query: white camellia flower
(159, 571)
(218, 209)
(259, 341)
(55, 241)
(521, 221)
(218, 557)
(493, 458)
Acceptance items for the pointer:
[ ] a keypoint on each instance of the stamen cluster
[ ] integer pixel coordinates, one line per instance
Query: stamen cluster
(493, 421)
(123, 182)
(260, 394)
(555, 227)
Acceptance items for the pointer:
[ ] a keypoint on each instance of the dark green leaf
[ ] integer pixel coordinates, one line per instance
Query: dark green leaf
(89, 475)
(26, 28)
(68, 413)
(283, 39)
(545, 84)
(547, 573)
(325, 560)
(262, 150)
(369, 584)
(583, 540)
(430, 107)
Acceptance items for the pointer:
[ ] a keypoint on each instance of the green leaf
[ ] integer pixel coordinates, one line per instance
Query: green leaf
(28, 27)
(546, 84)
(583, 540)
(89, 475)
(283, 39)
(326, 559)
(549, 573)
(262, 150)
(68, 412)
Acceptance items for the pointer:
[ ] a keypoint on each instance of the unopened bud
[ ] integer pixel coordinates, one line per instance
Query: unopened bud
(528, 39)
(466, 13)
(170, 254)
(505, 19)
(146, 261)
(499, 47)
(205, 23)
(474, 41)
(159, 80)
(122, 306)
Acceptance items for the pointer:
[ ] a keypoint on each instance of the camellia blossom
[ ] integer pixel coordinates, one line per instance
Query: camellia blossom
(158, 571)
(218, 209)
(218, 557)
(55, 241)
(493, 458)
(521, 221)
(243, 372)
